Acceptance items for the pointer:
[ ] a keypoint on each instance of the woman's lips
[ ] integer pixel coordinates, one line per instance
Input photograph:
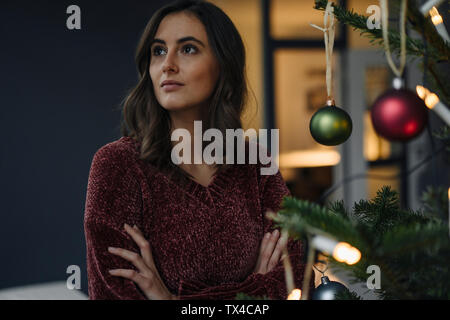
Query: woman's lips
(171, 87)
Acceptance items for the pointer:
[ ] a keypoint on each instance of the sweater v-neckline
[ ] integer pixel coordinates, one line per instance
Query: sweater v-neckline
(205, 194)
(212, 180)
(216, 183)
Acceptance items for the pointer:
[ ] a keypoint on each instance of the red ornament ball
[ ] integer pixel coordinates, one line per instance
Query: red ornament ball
(399, 115)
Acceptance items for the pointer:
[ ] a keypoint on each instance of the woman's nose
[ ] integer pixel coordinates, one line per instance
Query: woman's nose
(169, 63)
(168, 68)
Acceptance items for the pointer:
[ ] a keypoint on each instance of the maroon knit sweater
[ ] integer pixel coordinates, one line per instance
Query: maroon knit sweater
(204, 240)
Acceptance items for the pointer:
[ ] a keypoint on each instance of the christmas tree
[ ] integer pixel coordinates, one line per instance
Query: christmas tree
(410, 248)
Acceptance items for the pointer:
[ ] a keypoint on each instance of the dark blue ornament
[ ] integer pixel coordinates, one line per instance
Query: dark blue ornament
(327, 290)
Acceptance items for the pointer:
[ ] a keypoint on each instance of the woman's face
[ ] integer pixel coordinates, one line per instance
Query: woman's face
(190, 62)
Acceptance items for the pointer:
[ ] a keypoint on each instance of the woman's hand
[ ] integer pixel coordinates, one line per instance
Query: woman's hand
(270, 252)
(147, 278)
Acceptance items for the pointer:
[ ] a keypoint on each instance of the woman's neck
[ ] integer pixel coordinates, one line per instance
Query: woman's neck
(184, 119)
(190, 122)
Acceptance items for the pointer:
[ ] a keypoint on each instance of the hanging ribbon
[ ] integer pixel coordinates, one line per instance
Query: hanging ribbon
(329, 31)
(384, 25)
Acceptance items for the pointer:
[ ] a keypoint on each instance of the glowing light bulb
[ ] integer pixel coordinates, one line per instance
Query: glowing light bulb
(296, 294)
(422, 92)
(431, 100)
(343, 252)
(439, 24)
(435, 16)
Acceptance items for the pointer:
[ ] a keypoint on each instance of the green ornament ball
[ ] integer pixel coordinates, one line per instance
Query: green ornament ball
(330, 126)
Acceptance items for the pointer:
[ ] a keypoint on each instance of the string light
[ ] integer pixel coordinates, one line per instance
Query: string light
(439, 24)
(341, 251)
(425, 8)
(296, 294)
(432, 102)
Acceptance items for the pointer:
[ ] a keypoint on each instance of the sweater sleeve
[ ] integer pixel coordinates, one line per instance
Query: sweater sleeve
(113, 198)
(271, 284)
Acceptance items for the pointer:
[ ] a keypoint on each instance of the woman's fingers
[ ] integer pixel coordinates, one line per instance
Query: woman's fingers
(143, 244)
(144, 282)
(133, 257)
(267, 254)
(261, 251)
(147, 278)
(127, 273)
(282, 241)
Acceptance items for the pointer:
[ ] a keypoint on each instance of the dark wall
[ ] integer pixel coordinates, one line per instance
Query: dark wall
(60, 90)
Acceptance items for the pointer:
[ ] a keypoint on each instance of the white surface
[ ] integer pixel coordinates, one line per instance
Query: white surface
(45, 291)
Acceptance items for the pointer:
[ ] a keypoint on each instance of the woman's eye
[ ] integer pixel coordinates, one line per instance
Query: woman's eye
(189, 46)
(155, 50)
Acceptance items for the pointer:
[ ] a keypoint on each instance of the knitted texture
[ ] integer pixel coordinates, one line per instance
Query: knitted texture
(204, 240)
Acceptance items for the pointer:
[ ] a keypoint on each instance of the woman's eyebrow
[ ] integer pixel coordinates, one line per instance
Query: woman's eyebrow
(179, 40)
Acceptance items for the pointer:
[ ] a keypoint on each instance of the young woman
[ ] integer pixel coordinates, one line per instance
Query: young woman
(198, 229)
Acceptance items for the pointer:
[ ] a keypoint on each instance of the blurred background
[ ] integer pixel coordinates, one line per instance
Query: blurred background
(61, 90)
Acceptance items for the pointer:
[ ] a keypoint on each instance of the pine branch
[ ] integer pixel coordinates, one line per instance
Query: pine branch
(411, 248)
(406, 239)
(435, 202)
(301, 217)
(338, 207)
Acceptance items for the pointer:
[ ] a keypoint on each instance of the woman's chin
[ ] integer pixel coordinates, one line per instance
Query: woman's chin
(176, 107)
